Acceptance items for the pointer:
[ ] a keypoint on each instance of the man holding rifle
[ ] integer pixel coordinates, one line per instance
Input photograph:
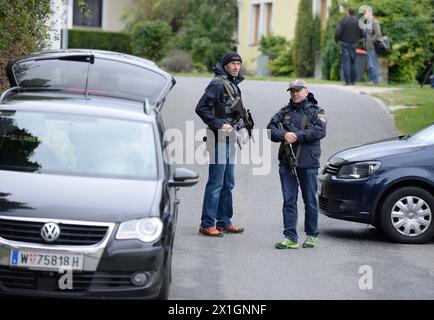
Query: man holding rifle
(299, 127)
(222, 110)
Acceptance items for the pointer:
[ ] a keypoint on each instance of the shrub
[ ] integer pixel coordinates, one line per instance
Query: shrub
(151, 39)
(280, 53)
(22, 29)
(178, 61)
(283, 64)
(207, 32)
(272, 45)
(171, 11)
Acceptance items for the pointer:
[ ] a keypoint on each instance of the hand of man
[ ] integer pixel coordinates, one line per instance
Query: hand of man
(290, 137)
(227, 127)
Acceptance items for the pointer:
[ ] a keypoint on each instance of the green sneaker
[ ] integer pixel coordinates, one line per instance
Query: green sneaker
(310, 242)
(287, 244)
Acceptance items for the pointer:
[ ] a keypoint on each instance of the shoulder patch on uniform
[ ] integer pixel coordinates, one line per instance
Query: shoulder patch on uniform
(322, 117)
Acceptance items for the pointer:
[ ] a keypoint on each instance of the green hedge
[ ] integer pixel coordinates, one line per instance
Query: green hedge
(102, 40)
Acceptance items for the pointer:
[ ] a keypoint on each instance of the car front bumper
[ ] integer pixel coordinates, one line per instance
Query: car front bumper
(345, 199)
(107, 272)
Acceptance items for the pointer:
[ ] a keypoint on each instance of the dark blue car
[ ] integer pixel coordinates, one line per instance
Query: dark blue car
(388, 183)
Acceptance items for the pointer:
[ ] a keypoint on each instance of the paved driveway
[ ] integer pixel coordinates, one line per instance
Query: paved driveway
(246, 266)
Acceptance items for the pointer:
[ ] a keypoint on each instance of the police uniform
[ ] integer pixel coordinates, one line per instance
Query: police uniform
(308, 121)
(291, 116)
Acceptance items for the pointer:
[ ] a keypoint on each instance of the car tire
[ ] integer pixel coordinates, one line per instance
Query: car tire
(167, 278)
(407, 215)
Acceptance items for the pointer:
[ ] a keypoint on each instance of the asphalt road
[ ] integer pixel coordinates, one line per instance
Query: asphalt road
(246, 266)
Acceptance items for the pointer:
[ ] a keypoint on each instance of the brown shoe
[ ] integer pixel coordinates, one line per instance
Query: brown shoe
(211, 232)
(231, 229)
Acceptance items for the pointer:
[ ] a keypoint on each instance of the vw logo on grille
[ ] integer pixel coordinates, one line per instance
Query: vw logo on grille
(50, 231)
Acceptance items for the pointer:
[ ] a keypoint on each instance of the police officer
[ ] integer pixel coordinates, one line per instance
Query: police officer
(300, 125)
(214, 108)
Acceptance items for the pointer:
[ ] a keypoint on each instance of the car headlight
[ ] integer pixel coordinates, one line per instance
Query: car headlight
(358, 170)
(146, 230)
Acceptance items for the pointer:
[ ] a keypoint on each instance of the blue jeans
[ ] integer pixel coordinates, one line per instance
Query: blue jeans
(308, 186)
(348, 51)
(372, 66)
(217, 201)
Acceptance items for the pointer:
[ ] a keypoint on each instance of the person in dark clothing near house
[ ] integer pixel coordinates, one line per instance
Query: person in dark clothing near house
(300, 125)
(214, 108)
(348, 33)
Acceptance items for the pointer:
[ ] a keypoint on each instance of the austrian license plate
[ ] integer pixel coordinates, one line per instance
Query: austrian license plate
(45, 260)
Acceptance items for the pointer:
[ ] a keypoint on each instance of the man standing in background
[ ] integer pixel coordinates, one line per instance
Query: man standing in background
(349, 33)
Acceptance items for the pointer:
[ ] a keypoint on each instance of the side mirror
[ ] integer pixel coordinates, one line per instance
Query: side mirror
(184, 178)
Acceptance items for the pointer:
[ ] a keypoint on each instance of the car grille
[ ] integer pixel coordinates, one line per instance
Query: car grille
(70, 234)
(24, 279)
(331, 169)
(323, 203)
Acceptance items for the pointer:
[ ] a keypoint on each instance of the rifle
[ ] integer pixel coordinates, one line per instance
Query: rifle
(288, 154)
(237, 108)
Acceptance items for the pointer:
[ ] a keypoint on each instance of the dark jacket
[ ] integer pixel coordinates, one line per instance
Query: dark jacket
(291, 116)
(214, 99)
(348, 30)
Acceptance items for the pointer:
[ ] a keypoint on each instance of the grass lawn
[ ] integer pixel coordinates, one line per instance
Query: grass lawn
(420, 99)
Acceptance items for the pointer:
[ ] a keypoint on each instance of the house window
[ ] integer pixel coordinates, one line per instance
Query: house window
(262, 12)
(268, 16)
(80, 20)
(256, 14)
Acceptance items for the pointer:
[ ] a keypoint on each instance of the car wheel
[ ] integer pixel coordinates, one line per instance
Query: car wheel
(167, 278)
(407, 215)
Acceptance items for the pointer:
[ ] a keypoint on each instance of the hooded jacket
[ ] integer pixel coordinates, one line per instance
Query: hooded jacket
(214, 105)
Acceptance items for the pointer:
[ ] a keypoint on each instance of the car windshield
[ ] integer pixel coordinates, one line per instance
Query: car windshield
(106, 78)
(76, 145)
(424, 136)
